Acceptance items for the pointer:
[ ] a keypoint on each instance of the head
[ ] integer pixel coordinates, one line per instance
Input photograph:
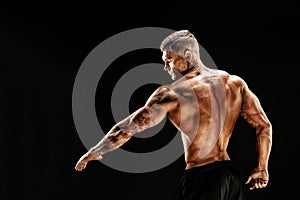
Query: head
(180, 52)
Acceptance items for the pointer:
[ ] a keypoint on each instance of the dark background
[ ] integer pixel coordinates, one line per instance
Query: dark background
(42, 47)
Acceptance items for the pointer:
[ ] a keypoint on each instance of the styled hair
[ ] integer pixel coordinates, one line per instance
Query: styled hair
(179, 42)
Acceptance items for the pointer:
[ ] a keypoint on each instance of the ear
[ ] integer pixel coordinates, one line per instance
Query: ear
(188, 55)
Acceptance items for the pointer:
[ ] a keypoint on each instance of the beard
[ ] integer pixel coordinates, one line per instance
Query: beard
(172, 73)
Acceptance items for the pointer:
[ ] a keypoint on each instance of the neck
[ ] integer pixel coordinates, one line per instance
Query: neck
(201, 67)
(187, 70)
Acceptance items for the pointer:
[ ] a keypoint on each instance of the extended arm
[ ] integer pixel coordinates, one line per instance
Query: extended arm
(253, 113)
(147, 116)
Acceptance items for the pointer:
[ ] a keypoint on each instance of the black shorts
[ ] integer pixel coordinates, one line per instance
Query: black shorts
(214, 181)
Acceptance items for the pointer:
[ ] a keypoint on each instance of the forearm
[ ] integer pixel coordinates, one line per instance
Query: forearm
(115, 138)
(124, 130)
(121, 133)
(264, 143)
(149, 115)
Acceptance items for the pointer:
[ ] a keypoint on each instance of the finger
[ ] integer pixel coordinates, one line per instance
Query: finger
(78, 168)
(258, 182)
(252, 185)
(259, 185)
(249, 179)
(263, 183)
(256, 185)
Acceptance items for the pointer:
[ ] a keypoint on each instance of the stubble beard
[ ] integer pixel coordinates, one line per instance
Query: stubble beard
(172, 73)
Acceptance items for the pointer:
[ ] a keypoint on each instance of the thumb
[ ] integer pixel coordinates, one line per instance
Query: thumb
(249, 179)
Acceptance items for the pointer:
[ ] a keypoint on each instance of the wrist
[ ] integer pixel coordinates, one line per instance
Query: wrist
(260, 169)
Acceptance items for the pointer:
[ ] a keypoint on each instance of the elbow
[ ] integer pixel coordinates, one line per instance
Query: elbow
(265, 130)
(268, 129)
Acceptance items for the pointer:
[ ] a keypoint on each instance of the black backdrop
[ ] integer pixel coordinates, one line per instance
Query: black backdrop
(42, 47)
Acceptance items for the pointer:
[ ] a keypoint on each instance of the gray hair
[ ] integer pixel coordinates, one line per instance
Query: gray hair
(181, 41)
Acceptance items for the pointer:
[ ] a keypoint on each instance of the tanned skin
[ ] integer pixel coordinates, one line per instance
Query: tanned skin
(202, 83)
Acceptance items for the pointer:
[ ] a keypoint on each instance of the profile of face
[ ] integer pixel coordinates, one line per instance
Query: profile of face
(174, 64)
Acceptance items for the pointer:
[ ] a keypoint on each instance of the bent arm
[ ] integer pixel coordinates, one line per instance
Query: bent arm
(253, 113)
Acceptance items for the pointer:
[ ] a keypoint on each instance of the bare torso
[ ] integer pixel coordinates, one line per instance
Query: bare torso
(204, 105)
(206, 108)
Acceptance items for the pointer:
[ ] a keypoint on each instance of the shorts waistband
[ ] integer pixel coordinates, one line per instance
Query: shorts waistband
(210, 166)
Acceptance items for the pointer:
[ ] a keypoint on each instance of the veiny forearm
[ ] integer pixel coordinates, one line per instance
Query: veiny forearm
(254, 114)
(112, 140)
(263, 137)
(123, 131)
(149, 115)
(264, 143)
